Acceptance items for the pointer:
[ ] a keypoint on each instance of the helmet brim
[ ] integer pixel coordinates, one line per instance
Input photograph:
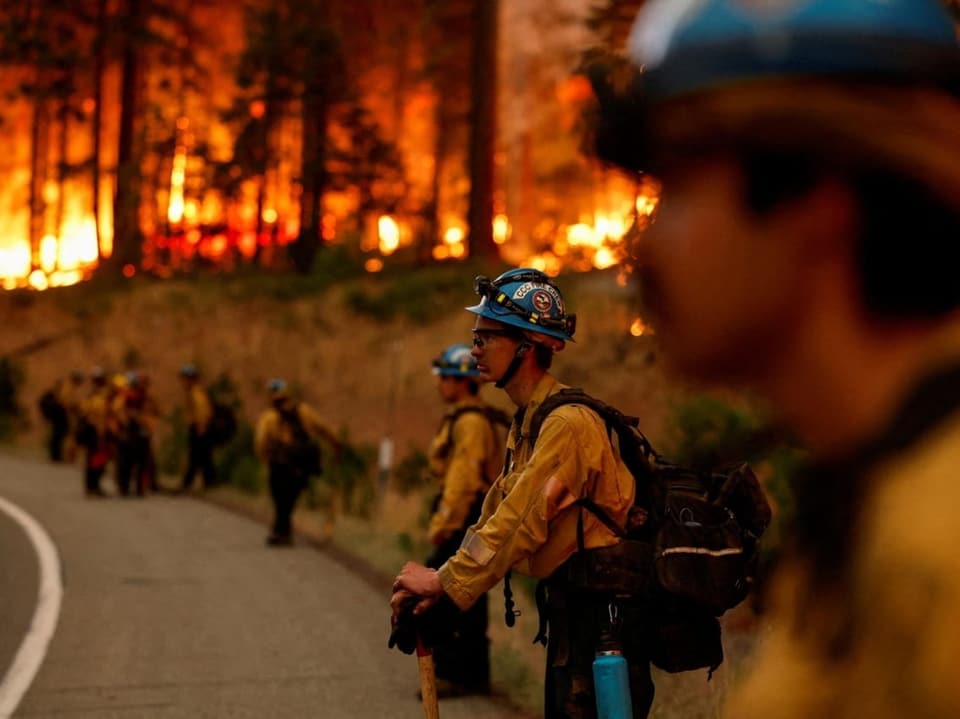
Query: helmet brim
(500, 314)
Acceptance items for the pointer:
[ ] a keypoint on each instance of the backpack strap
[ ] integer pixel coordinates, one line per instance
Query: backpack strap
(616, 422)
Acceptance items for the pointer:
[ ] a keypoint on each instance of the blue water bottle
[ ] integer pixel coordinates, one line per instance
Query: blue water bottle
(611, 680)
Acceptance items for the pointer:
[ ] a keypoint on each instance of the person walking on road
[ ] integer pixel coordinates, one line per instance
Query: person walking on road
(287, 441)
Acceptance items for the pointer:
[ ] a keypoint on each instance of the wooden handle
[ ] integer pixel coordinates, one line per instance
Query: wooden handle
(428, 682)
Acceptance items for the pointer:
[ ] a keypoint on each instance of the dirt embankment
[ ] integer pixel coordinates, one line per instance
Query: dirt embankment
(369, 375)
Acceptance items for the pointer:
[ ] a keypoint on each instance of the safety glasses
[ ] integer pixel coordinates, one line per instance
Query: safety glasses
(482, 337)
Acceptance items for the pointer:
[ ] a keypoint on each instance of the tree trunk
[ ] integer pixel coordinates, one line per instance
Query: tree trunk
(127, 242)
(441, 147)
(98, 71)
(483, 111)
(315, 117)
(62, 168)
(39, 135)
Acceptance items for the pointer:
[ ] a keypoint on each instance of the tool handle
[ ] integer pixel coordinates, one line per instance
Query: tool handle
(428, 681)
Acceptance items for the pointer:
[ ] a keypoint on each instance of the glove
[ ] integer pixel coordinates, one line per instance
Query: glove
(434, 626)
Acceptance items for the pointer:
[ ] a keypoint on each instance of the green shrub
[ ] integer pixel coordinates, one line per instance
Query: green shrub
(333, 264)
(419, 295)
(351, 476)
(710, 432)
(237, 463)
(172, 447)
(410, 474)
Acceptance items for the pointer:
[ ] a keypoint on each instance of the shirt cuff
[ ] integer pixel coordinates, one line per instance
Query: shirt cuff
(454, 589)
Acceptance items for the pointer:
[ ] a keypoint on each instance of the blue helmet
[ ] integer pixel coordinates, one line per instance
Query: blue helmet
(679, 48)
(189, 370)
(456, 361)
(692, 45)
(526, 299)
(278, 388)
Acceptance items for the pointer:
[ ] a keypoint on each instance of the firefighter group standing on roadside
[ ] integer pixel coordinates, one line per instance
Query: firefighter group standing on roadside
(530, 522)
(465, 456)
(287, 439)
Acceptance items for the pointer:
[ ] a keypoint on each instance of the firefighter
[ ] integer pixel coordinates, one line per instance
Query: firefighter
(809, 153)
(93, 432)
(529, 522)
(136, 417)
(464, 458)
(286, 440)
(71, 397)
(199, 411)
(54, 411)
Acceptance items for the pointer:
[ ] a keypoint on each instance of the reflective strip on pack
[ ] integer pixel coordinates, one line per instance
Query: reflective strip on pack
(476, 548)
(701, 550)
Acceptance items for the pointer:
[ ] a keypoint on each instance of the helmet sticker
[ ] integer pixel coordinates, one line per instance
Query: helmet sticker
(460, 356)
(523, 290)
(542, 301)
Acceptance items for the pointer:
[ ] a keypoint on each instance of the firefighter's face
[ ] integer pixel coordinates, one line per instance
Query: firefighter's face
(449, 388)
(494, 345)
(721, 283)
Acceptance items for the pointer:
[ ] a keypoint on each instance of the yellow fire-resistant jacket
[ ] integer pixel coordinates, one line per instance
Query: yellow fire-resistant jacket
(199, 409)
(465, 457)
(273, 435)
(96, 410)
(904, 652)
(68, 394)
(529, 522)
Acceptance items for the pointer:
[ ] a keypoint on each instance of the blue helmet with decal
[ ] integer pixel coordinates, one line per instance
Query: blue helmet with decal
(680, 49)
(692, 45)
(526, 299)
(456, 361)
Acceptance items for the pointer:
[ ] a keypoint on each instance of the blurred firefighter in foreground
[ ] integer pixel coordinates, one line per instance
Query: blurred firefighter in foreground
(530, 522)
(200, 443)
(464, 457)
(286, 440)
(135, 419)
(810, 159)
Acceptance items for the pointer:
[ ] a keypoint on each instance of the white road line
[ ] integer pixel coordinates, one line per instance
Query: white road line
(30, 655)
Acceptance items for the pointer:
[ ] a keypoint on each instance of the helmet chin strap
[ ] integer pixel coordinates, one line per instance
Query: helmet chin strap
(514, 365)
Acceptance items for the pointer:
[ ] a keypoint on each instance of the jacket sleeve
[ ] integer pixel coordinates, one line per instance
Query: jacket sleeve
(519, 524)
(464, 477)
(316, 426)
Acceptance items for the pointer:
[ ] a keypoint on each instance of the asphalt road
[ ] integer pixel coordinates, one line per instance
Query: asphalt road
(175, 608)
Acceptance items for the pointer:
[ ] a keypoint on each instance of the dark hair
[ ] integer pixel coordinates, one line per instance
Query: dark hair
(906, 236)
(543, 355)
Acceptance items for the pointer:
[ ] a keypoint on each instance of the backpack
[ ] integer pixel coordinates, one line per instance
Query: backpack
(304, 454)
(223, 423)
(496, 417)
(701, 531)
